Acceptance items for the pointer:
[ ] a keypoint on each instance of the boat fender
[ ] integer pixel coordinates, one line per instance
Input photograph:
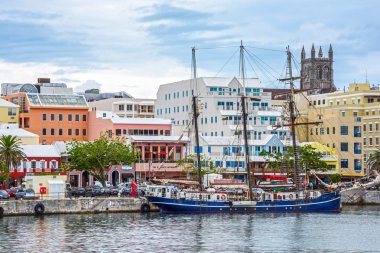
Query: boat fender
(223, 197)
(145, 208)
(1, 211)
(39, 209)
(290, 196)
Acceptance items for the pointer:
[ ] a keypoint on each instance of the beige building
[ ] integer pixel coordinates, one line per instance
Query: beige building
(347, 121)
(25, 137)
(126, 107)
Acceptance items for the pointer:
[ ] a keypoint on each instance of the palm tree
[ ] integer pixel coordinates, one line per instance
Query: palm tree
(374, 161)
(10, 153)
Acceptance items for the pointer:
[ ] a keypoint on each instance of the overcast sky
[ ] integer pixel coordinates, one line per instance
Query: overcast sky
(137, 45)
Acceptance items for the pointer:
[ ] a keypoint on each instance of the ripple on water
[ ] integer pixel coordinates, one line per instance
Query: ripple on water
(356, 229)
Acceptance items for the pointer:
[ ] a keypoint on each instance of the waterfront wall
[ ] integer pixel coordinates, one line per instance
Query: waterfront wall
(361, 197)
(79, 205)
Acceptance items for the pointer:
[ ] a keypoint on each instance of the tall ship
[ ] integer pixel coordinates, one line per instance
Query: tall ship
(169, 200)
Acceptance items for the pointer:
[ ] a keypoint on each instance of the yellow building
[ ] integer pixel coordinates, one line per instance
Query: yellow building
(329, 156)
(347, 121)
(9, 112)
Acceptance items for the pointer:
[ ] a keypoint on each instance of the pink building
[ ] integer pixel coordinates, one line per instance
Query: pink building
(156, 149)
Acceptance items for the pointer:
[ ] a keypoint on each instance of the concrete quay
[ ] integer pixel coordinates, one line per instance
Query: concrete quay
(360, 197)
(71, 206)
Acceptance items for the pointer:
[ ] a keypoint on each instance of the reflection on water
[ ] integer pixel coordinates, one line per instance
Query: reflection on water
(356, 229)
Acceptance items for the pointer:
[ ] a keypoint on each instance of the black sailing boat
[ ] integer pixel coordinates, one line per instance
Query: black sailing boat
(170, 201)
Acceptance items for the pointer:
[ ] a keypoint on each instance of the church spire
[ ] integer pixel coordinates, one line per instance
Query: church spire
(312, 52)
(330, 53)
(303, 54)
(320, 53)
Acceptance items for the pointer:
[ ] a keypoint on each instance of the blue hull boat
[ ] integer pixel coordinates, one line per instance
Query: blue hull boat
(329, 202)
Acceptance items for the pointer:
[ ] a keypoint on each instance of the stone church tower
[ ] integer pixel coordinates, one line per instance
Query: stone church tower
(317, 73)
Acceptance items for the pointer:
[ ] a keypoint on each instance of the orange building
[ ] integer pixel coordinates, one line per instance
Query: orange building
(53, 117)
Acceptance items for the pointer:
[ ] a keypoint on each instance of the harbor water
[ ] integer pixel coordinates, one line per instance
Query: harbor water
(356, 229)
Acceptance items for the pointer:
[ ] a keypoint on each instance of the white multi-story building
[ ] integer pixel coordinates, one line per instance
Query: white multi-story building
(220, 114)
(126, 107)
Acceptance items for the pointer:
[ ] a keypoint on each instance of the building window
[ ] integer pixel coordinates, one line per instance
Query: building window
(60, 131)
(12, 111)
(70, 117)
(42, 164)
(52, 116)
(377, 141)
(327, 130)
(370, 141)
(84, 132)
(322, 132)
(33, 164)
(370, 127)
(76, 117)
(129, 107)
(333, 130)
(118, 132)
(43, 131)
(364, 128)
(343, 130)
(357, 165)
(364, 142)
(121, 107)
(60, 117)
(357, 148)
(69, 131)
(44, 116)
(76, 131)
(343, 114)
(52, 131)
(344, 146)
(53, 164)
(357, 131)
(377, 127)
(84, 117)
(344, 163)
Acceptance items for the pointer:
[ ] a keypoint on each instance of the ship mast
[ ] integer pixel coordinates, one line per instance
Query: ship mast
(245, 115)
(195, 115)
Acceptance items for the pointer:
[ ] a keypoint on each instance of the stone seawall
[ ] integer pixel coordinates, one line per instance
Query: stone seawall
(361, 197)
(79, 205)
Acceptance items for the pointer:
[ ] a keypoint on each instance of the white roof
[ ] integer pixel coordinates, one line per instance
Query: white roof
(144, 102)
(216, 141)
(5, 103)
(268, 113)
(40, 151)
(19, 132)
(144, 121)
(160, 138)
(225, 81)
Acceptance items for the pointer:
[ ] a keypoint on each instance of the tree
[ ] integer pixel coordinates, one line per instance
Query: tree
(190, 165)
(374, 161)
(4, 173)
(11, 153)
(98, 156)
(309, 158)
(272, 160)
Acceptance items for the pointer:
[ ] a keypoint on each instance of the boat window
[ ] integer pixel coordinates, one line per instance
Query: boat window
(296, 196)
(208, 196)
(167, 190)
(200, 196)
(279, 197)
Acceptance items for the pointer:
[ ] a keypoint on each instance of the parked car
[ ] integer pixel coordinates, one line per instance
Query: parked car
(97, 183)
(25, 194)
(97, 191)
(125, 191)
(12, 191)
(80, 191)
(88, 191)
(114, 191)
(4, 194)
